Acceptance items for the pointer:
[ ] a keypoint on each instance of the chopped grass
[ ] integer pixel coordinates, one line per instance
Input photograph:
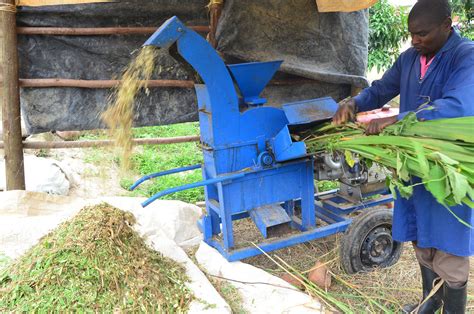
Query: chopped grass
(94, 263)
(230, 294)
(119, 116)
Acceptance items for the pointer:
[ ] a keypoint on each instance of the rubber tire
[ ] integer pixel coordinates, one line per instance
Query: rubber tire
(356, 234)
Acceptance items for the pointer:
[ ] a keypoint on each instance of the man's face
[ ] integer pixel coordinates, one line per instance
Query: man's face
(428, 37)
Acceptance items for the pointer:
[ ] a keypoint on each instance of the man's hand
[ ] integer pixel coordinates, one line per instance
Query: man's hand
(346, 112)
(377, 125)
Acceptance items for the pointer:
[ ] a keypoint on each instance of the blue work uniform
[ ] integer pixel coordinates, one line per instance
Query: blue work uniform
(448, 86)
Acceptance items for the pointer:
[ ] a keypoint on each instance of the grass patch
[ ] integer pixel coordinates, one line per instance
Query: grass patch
(149, 159)
(155, 158)
(94, 263)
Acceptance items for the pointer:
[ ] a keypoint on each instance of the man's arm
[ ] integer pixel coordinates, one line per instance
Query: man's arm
(372, 97)
(381, 91)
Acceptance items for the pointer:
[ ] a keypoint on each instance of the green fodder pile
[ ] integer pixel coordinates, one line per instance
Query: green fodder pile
(119, 115)
(95, 262)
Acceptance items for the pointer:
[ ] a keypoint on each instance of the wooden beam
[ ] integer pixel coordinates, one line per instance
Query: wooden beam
(15, 171)
(102, 143)
(60, 82)
(95, 31)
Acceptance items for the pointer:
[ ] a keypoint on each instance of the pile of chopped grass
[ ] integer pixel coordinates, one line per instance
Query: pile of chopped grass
(94, 262)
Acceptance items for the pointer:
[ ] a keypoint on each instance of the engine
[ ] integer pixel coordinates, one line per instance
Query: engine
(357, 178)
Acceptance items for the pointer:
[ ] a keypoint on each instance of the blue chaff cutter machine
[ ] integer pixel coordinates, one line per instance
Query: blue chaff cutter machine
(253, 168)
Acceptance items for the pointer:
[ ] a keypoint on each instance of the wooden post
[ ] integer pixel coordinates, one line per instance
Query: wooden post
(15, 172)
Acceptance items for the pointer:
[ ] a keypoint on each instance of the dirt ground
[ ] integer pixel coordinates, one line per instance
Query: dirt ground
(397, 285)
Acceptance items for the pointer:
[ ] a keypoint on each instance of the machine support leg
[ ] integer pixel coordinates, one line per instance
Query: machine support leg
(226, 216)
(307, 201)
(216, 229)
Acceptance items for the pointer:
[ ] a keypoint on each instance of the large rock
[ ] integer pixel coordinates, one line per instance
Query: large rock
(41, 175)
(260, 291)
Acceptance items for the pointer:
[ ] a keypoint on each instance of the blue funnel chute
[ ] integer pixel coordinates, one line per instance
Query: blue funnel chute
(167, 34)
(251, 78)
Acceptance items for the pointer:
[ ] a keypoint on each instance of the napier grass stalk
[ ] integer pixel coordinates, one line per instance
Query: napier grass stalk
(438, 154)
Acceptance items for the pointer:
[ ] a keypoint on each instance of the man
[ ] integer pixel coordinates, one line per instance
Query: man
(435, 79)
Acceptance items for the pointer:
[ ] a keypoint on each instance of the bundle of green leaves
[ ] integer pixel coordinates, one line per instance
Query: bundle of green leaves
(439, 152)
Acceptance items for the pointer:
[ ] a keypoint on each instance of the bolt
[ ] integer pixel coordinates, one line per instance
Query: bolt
(267, 160)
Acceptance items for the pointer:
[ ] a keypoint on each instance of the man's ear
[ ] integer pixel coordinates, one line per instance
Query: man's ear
(447, 24)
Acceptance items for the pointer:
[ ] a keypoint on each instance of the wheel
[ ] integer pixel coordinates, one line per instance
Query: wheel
(368, 243)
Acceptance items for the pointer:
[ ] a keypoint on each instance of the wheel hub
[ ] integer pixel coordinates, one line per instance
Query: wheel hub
(377, 247)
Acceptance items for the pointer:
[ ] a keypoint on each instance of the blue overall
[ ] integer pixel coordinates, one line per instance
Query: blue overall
(448, 86)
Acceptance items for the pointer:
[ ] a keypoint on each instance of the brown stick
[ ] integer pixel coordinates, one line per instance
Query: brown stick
(93, 31)
(14, 169)
(102, 143)
(215, 10)
(59, 82)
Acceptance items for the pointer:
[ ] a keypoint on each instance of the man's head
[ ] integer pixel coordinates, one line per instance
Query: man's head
(429, 23)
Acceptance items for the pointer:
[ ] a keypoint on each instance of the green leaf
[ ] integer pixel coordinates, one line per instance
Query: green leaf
(459, 184)
(437, 184)
(349, 160)
(443, 158)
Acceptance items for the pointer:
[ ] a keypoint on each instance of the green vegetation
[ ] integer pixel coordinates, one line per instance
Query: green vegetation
(463, 13)
(443, 161)
(94, 263)
(387, 29)
(155, 158)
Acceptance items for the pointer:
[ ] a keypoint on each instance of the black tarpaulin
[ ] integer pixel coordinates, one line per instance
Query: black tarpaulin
(330, 49)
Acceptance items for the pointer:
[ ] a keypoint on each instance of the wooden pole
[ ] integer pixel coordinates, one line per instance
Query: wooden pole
(14, 168)
(95, 31)
(61, 82)
(103, 143)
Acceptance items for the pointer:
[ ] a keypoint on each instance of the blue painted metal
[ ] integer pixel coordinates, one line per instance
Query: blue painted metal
(285, 148)
(249, 159)
(275, 244)
(251, 78)
(310, 111)
(269, 216)
(220, 179)
(162, 173)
